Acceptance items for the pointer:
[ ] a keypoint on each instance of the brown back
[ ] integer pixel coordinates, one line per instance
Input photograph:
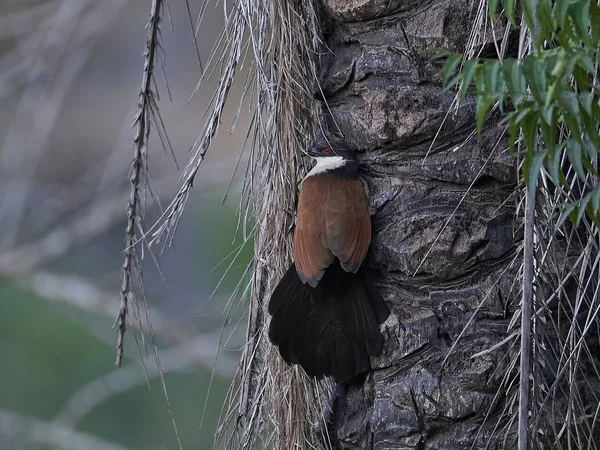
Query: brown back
(332, 221)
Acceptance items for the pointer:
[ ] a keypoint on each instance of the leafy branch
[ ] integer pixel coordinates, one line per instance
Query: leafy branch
(550, 97)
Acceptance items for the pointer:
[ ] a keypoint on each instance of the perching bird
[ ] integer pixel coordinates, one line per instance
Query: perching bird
(326, 309)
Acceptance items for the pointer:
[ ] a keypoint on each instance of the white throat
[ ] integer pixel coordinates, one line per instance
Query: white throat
(326, 163)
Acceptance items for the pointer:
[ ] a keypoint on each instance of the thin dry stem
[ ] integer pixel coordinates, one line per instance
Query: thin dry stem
(134, 205)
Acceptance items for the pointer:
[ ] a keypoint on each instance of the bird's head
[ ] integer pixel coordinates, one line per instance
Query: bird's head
(330, 149)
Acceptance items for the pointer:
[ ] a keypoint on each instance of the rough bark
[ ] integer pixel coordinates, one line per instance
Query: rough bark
(444, 227)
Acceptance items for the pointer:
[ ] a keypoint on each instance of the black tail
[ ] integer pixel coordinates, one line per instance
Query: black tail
(331, 329)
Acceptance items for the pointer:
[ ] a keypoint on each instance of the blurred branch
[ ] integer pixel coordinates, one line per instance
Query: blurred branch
(56, 242)
(41, 110)
(25, 21)
(66, 27)
(76, 291)
(25, 432)
(37, 55)
(85, 226)
(201, 349)
(61, 52)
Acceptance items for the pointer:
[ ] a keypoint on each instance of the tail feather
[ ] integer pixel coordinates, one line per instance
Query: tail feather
(287, 303)
(380, 308)
(355, 319)
(370, 315)
(331, 329)
(316, 341)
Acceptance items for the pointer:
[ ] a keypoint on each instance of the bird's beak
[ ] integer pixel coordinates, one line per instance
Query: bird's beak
(313, 150)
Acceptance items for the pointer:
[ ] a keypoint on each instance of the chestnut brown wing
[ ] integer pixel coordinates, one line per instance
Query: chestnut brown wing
(348, 224)
(332, 220)
(311, 254)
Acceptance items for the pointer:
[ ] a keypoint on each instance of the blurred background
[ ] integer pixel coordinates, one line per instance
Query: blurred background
(70, 75)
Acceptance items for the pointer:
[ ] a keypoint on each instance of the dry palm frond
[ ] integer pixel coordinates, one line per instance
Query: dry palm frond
(272, 404)
(140, 183)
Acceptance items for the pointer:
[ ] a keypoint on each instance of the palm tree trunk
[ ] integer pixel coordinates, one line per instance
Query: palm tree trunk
(447, 245)
(445, 236)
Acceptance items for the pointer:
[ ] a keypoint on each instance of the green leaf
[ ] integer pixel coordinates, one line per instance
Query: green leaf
(559, 64)
(591, 213)
(515, 81)
(560, 12)
(513, 134)
(563, 181)
(573, 126)
(484, 105)
(547, 115)
(586, 62)
(582, 207)
(591, 128)
(572, 57)
(535, 75)
(553, 162)
(491, 69)
(574, 153)
(531, 168)
(587, 164)
(596, 197)
(580, 14)
(550, 95)
(567, 100)
(563, 38)
(529, 126)
(492, 8)
(566, 210)
(519, 79)
(527, 6)
(544, 14)
(581, 77)
(520, 114)
(453, 81)
(595, 21)
(590, 151)
(468, 71)
(500, 100)
(596, 104)
(439, 53)
(587, 99)
(549, 135)
(449, 67)
(507, 69)
(509, 10)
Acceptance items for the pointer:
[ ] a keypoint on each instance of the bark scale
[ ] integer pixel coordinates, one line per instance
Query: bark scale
(444, 227)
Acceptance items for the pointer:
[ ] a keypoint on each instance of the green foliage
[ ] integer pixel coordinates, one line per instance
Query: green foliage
(220, 236)
(51, 350)
(550, 98)
(42, 348)
(47, 357)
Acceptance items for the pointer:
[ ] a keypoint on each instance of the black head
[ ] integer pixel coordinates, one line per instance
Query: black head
(325, 149)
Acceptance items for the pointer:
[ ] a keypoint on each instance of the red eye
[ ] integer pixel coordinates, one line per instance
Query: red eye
(327, 150)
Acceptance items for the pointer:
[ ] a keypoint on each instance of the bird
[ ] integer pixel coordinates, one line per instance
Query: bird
(326, 310)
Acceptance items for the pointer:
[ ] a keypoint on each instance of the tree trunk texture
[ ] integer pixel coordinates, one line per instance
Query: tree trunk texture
(445, 231)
